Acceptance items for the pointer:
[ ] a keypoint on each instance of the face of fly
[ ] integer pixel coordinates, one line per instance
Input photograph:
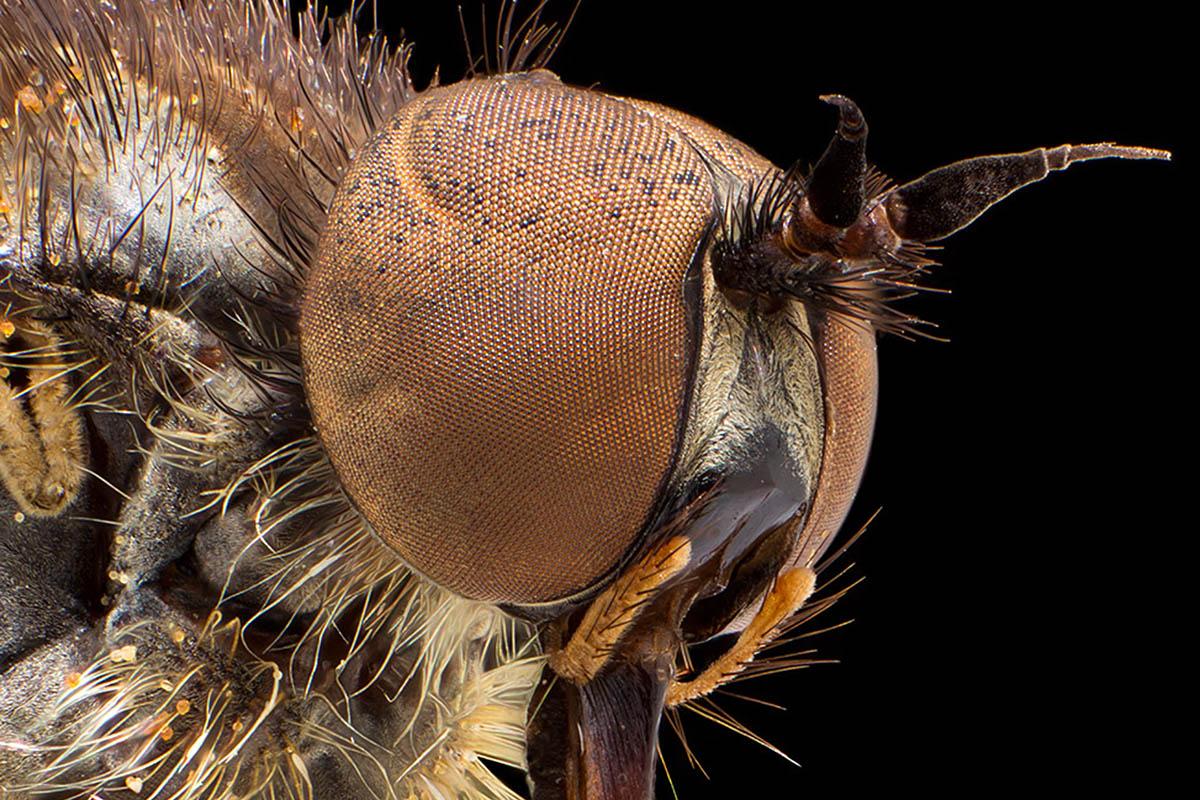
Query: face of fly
(796, 275)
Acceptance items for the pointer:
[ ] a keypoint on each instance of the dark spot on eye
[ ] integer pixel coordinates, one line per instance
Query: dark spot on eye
(525, 223)
(688, 177)
(616, 214)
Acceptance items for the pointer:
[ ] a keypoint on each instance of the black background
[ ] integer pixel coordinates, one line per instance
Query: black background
(1021, 619)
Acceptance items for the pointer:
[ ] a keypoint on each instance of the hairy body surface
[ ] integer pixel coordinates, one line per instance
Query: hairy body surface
(356, 439)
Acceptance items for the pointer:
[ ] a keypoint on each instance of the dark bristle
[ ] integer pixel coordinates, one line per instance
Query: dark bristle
(758, 210)
(512, 42)
(747, 238)
(876, 183)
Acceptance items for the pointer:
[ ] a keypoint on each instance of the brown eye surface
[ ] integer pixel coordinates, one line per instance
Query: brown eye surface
(495, 334)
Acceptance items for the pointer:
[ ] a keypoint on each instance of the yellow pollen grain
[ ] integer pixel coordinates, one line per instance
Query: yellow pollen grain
(124, 655)
(183, 707)
(4, 373)
(29, 100)
(77, 71)
(60, 87)
(177, 636)
(134, 784)
(72, 680)
(167, 734)
(237, 726)
(18, 517)
(194, 100)
(4, 123)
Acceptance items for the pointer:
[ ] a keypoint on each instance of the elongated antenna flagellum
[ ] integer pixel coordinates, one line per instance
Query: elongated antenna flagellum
(950, 198)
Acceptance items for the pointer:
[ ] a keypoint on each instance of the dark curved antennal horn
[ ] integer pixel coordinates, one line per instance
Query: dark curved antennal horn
(837, 187)
(950, 198)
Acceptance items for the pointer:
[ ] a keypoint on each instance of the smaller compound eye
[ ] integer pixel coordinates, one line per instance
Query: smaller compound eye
(850, 380)
(496, 334)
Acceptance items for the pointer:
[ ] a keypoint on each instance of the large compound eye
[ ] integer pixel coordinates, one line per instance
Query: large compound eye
(496, 335)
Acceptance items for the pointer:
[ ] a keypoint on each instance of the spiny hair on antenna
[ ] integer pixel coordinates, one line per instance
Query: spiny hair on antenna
(752, 254)
(845, 241)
